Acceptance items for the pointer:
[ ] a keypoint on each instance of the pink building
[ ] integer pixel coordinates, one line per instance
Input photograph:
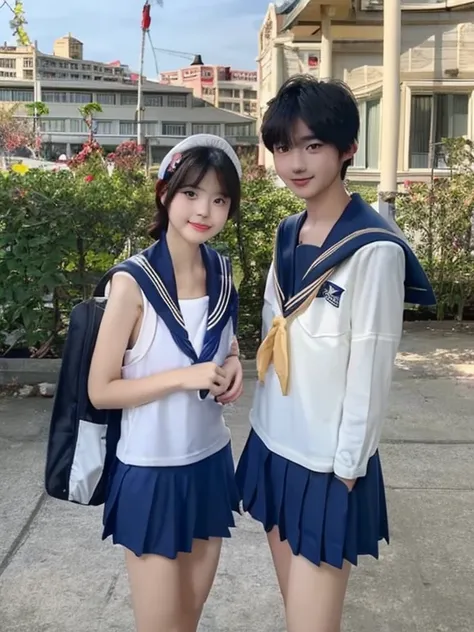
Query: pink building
(223, 87)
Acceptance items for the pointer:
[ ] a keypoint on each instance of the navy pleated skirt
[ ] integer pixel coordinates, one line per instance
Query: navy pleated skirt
(161, 510)
(316, 513)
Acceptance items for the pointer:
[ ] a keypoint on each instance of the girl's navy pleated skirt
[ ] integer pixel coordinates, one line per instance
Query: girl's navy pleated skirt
(316, 513)
(161, 510)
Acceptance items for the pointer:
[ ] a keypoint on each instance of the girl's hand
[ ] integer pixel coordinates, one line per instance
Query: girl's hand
(206, 376)
(348, 482)
(235, 377)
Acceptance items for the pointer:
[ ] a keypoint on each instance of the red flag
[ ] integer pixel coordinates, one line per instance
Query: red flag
(146, 17)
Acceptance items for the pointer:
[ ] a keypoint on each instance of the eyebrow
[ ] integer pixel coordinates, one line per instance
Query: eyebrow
(192, 186)
(309, 137)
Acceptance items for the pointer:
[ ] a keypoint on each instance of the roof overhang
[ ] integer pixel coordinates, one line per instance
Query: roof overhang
(306, 12)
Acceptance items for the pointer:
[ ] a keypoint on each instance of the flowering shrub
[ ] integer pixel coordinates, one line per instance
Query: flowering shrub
(129, 157)
(91, 152)
(15, 132)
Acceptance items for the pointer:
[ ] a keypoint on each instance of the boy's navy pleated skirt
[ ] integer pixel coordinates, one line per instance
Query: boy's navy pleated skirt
(316, 513)
(161, 510)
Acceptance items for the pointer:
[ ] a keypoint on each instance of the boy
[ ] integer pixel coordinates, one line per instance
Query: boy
(332, 323)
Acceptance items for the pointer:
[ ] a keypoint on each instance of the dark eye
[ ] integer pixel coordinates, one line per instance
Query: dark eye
(190, 194)
(281, 149)
(220, 201)
(315, 146)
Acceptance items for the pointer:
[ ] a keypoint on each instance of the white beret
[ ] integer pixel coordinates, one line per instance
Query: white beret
(200, 140)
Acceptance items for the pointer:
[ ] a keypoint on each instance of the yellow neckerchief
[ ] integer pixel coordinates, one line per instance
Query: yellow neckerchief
(274, 347)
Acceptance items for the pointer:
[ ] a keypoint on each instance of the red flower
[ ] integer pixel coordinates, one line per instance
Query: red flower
(88, 178)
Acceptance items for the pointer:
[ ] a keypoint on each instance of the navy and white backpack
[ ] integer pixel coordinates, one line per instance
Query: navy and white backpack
(83, 440)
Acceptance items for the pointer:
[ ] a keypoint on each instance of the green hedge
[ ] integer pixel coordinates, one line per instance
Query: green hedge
(60, 231)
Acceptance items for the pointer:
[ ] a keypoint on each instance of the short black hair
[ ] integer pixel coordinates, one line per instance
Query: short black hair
(193, 167)
(328, 108)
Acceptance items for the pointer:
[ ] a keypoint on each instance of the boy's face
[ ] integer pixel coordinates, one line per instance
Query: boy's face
(309, 167)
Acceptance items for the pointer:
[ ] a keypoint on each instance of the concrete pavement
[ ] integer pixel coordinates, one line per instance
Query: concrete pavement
(57, 576)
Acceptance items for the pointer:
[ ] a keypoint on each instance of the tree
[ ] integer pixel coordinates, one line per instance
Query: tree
(438, 219)
(36, 110)
(87, 112)
(18, 22)
(15, 133)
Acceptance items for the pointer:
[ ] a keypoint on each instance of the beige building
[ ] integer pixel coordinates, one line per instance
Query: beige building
(66, 64)
(343, 39)
(222, 86)
(68, 46)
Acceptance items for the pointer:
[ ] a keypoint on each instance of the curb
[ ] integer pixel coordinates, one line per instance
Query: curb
(33, 372)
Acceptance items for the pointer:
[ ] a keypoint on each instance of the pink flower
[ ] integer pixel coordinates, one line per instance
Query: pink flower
(88, 178)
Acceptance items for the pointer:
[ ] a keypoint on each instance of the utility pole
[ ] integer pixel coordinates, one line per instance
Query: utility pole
(392, 19)
(146, 22)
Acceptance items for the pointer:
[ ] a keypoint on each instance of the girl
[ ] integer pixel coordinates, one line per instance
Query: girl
(332, 321)
(170, 367)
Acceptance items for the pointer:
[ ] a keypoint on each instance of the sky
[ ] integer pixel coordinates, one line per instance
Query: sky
(224, 32)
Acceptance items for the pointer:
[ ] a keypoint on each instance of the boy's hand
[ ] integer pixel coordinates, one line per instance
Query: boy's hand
(234, 374)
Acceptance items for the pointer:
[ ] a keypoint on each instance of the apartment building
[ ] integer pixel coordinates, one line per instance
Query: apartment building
(222, 86)
(343, 39)
(65, 64)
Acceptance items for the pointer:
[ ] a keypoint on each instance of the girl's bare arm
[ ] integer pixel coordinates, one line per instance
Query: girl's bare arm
(106, 387)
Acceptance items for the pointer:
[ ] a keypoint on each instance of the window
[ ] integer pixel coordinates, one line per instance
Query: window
(153, 100)
(368, 154)
(16, 95)
(78, 126)
(150, 128)
(6, 62)
(250, 94)
(225, 92)
(80, 97)
(177, 100)
(53, 125)
(106, 98)
(434, 117)
(238, 130)
(22, 95)
(129, 99)
(105, 127)
(174, 129)
(128, 128)
(213, 128)
(28, 74)
(28, 62)
(66, 97)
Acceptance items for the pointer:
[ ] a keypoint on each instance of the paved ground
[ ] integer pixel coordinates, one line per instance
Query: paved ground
(57, 576)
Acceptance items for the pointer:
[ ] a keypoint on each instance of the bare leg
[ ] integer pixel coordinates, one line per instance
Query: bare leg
(156, 593)
(315, 596)
(197, 572)
(282, 556)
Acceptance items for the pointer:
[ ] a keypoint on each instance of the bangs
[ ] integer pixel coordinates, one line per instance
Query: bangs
(325, 108)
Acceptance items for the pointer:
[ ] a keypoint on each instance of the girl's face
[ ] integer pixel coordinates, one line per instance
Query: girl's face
(198, 213)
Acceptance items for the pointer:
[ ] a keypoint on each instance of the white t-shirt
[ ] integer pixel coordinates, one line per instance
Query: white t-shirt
(178, 429)
(342, 355)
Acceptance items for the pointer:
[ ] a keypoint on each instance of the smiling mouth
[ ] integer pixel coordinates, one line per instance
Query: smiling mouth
(202, 228)
(300, 182)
